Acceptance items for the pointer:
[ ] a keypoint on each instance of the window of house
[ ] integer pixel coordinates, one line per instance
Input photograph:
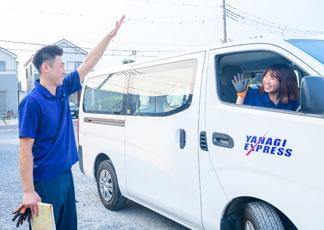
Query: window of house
(104, 94)
(71, 66)
(36, 76)
(3, 103)
(2, 66)
(77, 64)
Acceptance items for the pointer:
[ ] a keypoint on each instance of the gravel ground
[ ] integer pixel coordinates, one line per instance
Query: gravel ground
(91, 213)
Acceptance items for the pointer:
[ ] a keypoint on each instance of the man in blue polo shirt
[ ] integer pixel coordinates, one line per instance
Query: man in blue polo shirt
(47, 143)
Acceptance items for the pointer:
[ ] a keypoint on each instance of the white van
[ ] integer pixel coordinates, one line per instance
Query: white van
(167, 135)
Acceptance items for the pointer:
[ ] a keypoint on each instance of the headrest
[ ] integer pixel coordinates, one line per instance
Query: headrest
(230, 70)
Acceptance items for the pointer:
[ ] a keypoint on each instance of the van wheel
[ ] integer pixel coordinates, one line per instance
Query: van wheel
(108, 188)
(260, 216)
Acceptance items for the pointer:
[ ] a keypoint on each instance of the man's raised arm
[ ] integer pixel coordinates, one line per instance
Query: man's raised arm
(97, 52)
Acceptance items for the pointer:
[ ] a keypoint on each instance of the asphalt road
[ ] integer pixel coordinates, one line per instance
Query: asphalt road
(91, 213)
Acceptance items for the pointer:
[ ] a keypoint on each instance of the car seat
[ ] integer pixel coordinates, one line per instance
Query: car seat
(226, 88)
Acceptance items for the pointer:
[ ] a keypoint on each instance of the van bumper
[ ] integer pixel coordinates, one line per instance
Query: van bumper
(80, 153)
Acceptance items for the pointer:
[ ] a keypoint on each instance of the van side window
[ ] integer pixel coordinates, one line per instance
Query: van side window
(161, 90)
(251, 65)
(104, 94)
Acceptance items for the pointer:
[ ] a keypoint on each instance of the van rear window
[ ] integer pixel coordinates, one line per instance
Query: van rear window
(157, 90)
(104, 94)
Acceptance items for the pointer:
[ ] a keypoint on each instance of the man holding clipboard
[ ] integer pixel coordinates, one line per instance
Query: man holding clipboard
(47, 143)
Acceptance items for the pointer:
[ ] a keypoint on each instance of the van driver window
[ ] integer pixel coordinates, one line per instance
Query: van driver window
(278, 89)
(260, 78)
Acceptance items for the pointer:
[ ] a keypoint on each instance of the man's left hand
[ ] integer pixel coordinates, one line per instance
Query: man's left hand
(117, 26)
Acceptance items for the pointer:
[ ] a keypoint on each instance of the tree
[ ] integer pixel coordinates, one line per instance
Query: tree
(126, 61)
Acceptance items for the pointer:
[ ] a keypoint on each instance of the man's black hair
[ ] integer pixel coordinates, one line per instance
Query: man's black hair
(47, 53)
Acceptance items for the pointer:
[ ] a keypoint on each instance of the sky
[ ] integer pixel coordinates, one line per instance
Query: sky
(152, 27)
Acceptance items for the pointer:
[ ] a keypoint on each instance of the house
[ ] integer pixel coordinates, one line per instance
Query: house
(72, 58)
(8, 84)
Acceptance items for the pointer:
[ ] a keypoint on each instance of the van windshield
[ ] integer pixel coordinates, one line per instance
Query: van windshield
(314, 48)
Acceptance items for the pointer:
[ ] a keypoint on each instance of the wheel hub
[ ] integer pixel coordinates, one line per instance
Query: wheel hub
(248, 225)
(105, 185)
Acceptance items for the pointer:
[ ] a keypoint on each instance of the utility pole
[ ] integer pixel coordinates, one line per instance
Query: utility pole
(224, 21)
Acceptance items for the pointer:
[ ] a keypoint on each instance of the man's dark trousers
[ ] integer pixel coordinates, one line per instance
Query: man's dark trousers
(60, 193)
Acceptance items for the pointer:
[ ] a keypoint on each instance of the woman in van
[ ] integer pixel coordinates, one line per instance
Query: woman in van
(279, 89)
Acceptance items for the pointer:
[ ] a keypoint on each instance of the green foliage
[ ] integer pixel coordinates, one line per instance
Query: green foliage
(126, 61)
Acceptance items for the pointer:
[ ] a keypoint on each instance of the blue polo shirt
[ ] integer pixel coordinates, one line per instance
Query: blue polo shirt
(47, 119)
(256, 98)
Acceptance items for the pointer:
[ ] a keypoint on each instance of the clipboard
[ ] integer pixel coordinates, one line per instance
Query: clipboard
(45, 219)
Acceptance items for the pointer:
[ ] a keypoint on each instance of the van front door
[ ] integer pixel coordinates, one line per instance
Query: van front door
(267, 154)
(161, 137)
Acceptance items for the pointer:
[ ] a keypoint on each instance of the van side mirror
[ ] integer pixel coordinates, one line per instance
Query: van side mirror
(312, 95)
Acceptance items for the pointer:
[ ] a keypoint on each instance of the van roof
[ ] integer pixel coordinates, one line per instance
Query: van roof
(127, 66)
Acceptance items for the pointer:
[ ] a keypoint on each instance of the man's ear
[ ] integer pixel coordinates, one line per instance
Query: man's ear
(44, 67)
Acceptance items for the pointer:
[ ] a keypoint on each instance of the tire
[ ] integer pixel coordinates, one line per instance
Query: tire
(260, 216)
(107, 186)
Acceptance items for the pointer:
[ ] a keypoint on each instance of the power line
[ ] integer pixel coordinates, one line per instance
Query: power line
(259, 23)
(182, 4)
(161, 20)
(106, 54)
(70, 14)
(174, 3)
(172, 20)
(112, 50)
(133, 52)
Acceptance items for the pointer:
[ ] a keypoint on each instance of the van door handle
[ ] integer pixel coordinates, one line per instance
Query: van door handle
(223, 140)
(182, 138)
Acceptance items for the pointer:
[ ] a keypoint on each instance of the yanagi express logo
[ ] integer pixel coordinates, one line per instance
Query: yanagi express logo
(267, 145)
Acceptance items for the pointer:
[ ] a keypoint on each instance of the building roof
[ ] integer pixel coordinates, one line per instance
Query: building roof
(8, 52)
(62, 41)
(29, 60)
